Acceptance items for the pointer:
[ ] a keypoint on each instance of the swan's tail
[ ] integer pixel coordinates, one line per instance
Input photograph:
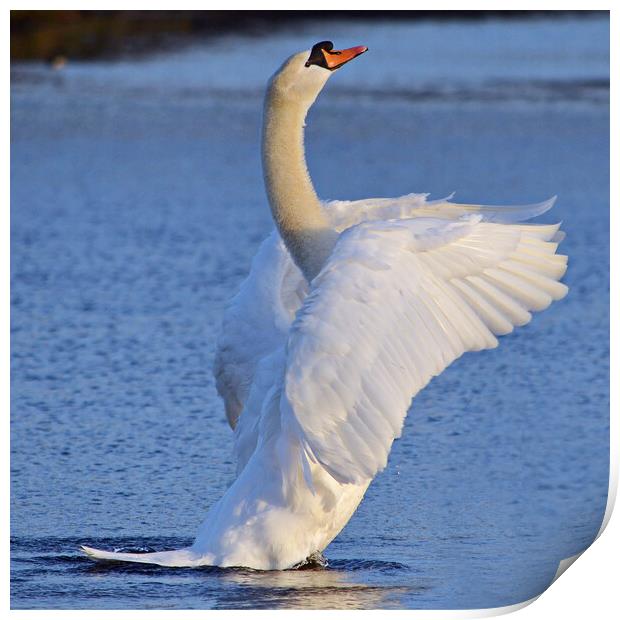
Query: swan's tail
(180, 557)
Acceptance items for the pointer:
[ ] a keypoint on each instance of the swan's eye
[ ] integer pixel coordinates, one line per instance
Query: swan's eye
(317, 57)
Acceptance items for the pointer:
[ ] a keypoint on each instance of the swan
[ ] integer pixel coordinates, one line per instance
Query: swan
(349, 310)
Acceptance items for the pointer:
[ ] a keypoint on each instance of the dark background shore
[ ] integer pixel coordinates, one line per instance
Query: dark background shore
(47, 35)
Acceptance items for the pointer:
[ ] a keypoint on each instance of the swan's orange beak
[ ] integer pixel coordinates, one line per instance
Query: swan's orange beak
(337, 58)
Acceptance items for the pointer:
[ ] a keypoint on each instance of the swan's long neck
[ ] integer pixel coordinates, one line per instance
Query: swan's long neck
(296, 208)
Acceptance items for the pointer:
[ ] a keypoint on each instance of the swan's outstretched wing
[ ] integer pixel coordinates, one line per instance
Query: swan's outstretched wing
(256, 322)
(344, 213)
(395, 304)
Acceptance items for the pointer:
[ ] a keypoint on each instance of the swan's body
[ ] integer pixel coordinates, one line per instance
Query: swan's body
(349, 310)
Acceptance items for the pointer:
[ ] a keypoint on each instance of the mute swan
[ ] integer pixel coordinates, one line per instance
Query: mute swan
(350, 308)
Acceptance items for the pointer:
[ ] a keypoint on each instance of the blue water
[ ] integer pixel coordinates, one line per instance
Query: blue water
(137, 205)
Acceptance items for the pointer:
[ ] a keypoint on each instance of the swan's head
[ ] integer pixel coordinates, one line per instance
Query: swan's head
(303, 75)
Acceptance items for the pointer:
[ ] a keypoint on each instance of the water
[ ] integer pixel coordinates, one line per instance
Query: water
(137, 204)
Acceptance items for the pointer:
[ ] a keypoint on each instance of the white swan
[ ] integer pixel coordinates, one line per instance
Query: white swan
(349, 310)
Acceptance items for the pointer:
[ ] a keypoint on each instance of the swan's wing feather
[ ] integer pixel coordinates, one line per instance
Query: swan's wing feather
(256, 322)
(348, 213)
(394, 305)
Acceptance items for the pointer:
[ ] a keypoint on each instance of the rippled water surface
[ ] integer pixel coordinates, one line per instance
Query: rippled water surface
(137, 204)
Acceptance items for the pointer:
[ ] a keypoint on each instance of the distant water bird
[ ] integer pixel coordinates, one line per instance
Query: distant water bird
(349, 310)
(58, 62)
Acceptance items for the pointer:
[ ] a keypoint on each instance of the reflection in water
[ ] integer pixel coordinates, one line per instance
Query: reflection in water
(320, 588)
